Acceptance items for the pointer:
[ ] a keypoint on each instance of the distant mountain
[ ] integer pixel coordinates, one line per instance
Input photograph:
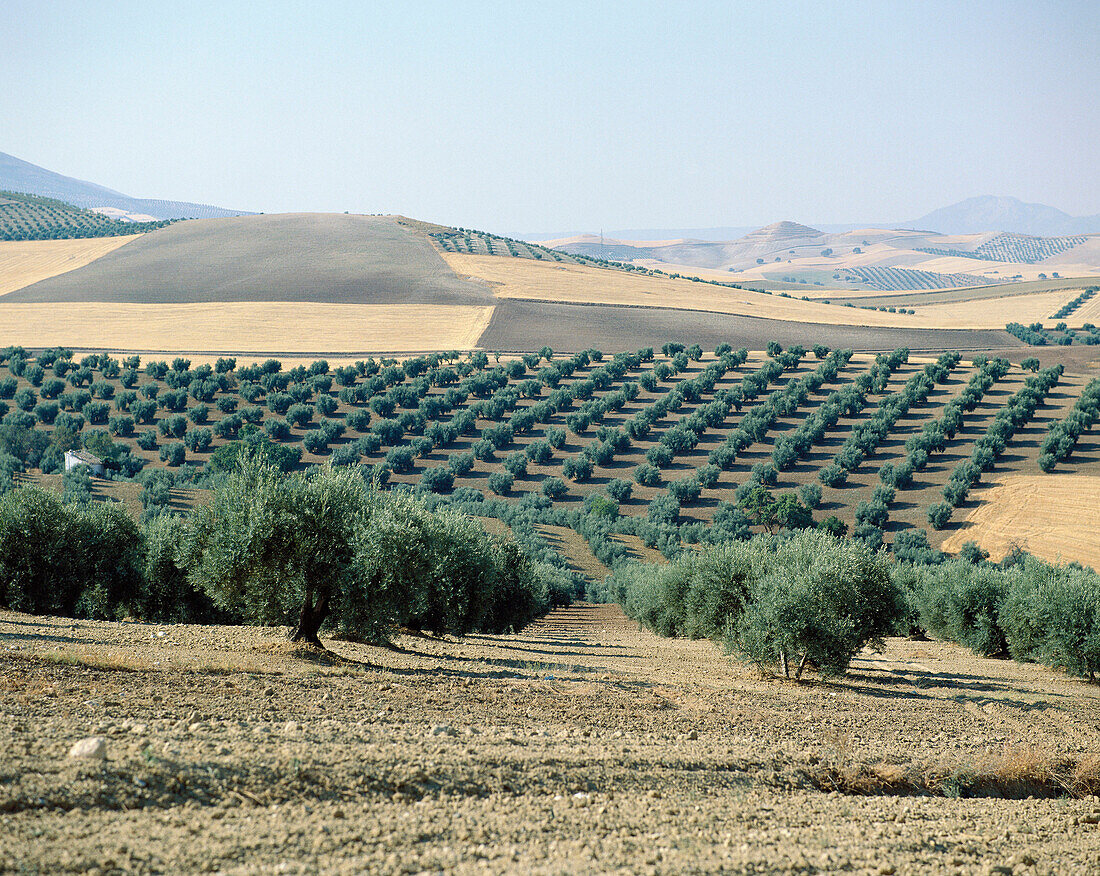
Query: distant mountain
(17, 175)
(991, 213)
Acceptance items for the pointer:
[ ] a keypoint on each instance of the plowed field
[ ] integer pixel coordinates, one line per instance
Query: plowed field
(580, 745)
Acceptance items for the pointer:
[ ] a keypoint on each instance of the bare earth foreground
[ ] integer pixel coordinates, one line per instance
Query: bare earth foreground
(579, 745)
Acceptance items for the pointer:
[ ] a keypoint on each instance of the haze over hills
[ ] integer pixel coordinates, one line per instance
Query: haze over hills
(971, 216)
(990, 213)
(21, 176)
(788, 253)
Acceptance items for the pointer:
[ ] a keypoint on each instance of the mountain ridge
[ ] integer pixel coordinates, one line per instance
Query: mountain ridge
(17, 175)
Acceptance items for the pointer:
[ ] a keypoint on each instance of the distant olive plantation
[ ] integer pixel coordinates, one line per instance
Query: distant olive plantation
(30, 217)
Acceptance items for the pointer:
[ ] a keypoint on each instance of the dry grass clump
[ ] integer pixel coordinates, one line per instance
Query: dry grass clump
(1015, 774)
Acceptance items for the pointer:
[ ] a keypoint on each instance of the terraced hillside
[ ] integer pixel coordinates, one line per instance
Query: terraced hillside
(28, 217)
(634, 451)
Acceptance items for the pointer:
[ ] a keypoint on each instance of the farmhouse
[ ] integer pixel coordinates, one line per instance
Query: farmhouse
(73, 458)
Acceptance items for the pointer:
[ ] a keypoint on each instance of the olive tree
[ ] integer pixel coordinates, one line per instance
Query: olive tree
(270, 548)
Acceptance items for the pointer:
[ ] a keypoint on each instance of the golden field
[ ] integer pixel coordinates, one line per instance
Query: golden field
(528, 279)
(1050, 515)
(23, 262)
(244, 327)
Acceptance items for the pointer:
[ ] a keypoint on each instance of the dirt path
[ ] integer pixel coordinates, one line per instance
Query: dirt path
(580, 744)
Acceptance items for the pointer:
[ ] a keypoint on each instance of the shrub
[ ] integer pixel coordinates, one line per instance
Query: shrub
(359, 420)
(461, 463)
(810, 494)
(198, 440)
(300, 415)
(25, 399)
(97, 413)
(438, 480)
(663, 509)
(619, 489)
(400, 459)
(72, 560)
(120, 426)
(833, 526)
(539, 452)
(832, 475)
(685, 490)
(173, 454)
(174, 401)
(577, 468)
(46, 412)
(659, 455)
(940, 515)
(554, 488)
(647, 475)
(316, 442)
(516, 465)
(483, 450)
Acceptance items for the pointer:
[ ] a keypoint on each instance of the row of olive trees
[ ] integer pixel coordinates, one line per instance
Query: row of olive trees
(1026, 609)
(1016, 413)
(1063, 435)
(789, 603)
(814, 600)
(316, 550)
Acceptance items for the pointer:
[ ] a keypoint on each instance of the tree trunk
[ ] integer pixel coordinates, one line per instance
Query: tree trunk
(783, 664)
(310, 620)
(801, 666)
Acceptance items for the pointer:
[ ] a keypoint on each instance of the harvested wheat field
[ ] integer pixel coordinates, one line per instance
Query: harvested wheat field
(246, 327)
(23, 262)
(579, 745)
(528, 279)
(1050, 515)
(996, 312)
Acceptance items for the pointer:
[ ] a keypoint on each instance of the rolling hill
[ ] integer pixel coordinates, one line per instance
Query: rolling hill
(338, 284)
(21, 176)
(304, 257)
(787, 255)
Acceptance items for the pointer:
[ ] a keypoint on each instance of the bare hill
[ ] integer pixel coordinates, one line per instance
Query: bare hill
(306, 257)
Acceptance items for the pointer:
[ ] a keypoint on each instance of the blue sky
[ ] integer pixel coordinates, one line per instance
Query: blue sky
(531, 117)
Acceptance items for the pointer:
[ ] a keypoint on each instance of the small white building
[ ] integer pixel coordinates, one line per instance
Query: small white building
(73, 458)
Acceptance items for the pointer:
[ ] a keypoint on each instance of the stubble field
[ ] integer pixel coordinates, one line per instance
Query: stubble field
(24, 262)
(242, 328)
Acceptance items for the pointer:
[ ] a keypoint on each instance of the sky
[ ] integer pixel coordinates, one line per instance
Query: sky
(526, 117)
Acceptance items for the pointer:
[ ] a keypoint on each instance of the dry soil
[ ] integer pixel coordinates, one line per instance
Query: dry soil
(579, 745)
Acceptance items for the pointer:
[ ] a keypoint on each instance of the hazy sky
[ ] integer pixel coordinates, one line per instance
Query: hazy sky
(529, 116)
